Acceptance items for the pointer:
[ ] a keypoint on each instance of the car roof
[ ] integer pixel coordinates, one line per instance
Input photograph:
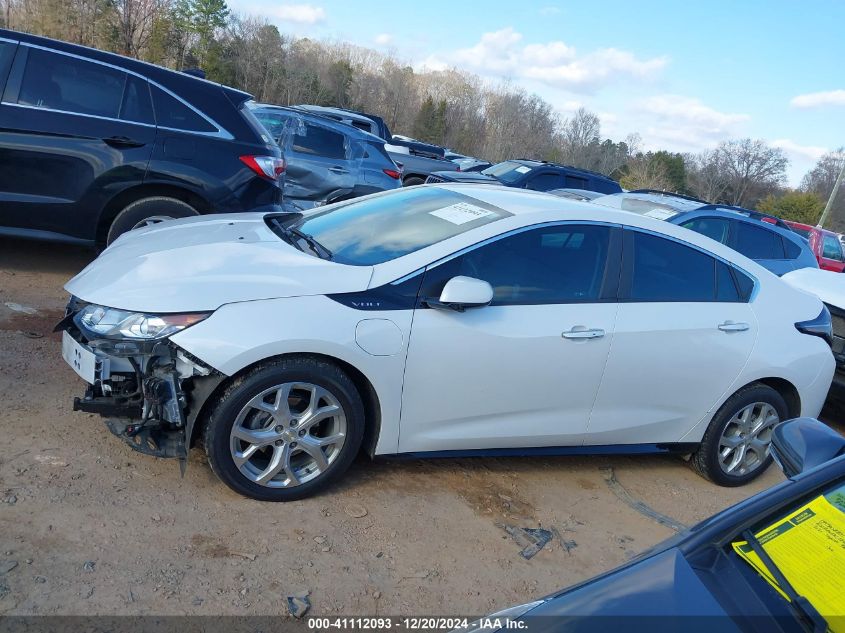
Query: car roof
(680, 204)
(808, 227)
(339, 126)
(352, 116)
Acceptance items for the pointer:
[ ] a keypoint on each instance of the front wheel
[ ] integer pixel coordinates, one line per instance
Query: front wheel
(412, 181)
(146, 212)
(285, 430)
(735, 447)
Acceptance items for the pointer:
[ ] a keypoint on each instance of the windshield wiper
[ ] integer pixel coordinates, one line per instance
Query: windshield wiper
(318, 248)
(806, 612)
(293, 235)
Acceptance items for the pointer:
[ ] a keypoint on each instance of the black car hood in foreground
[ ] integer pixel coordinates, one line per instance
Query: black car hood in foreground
(655, 590)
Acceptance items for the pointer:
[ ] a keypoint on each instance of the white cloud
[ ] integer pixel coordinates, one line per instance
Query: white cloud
(819, 99)
(299, 13)
(794, 150)
(503, 53)
(680, 123)
(383, 39)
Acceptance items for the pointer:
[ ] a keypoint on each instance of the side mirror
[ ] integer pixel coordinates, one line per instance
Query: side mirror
(803, 443)
(461, 293)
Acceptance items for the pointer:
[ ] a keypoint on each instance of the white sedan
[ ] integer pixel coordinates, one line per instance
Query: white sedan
(444, 320)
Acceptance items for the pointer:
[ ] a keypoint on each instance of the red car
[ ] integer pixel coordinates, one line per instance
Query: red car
(825, 245)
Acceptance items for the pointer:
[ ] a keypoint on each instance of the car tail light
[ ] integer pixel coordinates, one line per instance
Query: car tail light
(821, 326)
(393, 173)
(265, 166)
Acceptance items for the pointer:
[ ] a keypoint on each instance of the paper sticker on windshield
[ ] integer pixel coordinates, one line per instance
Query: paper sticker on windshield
(660, 214)
(523, 169)
(461, 213)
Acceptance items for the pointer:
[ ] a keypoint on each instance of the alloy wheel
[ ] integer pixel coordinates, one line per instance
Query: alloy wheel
(288, 435)
(745, 441)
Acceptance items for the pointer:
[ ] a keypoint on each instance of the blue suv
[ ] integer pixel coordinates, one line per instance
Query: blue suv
(764, 238)
(533, 174)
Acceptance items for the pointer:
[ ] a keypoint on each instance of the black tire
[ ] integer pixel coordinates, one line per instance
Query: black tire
(140, 210)
(413, 181)
(706, 460)
(300, 369)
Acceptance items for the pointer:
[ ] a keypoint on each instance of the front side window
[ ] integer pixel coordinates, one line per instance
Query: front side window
(553, 264)
(58, 82)
(665, 270)
(379, 228)
(714, 228)
(758, 243)
(831, 248)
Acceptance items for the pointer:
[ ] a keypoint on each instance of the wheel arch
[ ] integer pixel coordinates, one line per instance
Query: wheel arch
(126, 197)
(786, 389)
(369, 397)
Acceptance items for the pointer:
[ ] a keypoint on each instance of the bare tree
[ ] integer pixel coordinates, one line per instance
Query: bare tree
(706, 178)
(135, 20)
(752, 169)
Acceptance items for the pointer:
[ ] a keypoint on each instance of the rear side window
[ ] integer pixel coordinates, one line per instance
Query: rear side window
(172, 113)
(320, 141)
(7, 54)
(136, 105)
(726, 288)
(664, 270)
(58, 82)
(792, 250)
(574, 182)
(544, 182)
(714, 228)
(744, 284)
(378, 148)
(831, 248)
(758, 243)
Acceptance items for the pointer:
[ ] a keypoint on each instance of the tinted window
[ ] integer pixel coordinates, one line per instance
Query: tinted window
(559, 264)
(508, 172)
(573, 182)
(319, 141)
(726, 289)
(383, 227)
(7, 54)
(831, 248)
(172, 113)
(793, 251)
(543, 182)
(758, 243)
(714, 228)
(136, 105)
(59, 82)
(744, 284)
(663, 270)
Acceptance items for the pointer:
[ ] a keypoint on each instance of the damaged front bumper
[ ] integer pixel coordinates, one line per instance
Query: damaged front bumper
(150, 391)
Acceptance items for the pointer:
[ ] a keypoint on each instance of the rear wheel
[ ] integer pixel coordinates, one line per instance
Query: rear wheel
(735, 447)
(285, 430)
(148, 211)
(412, 181)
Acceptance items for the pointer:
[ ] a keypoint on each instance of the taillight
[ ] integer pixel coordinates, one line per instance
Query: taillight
(265, 166)
(393, 173)
(821, 326)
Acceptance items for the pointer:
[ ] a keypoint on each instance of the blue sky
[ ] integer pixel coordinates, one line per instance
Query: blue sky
(683, 75)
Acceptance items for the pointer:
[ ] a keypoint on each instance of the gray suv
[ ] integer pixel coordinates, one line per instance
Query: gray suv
(327, 161)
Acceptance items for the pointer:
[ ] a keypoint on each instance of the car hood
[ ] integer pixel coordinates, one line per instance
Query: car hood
(466, 176)
(662, 586)
(199, 264)
(825, 284)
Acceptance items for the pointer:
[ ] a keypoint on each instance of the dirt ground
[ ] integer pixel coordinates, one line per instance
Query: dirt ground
(89, 527)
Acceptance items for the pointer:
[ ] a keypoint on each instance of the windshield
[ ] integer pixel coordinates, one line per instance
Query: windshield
(508, 172)
(382, 227)
(660, 207)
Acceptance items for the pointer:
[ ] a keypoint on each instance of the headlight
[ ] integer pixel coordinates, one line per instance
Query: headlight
(113, 323)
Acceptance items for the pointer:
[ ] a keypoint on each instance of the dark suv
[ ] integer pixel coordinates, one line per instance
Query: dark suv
(533, 174)
(94, 144)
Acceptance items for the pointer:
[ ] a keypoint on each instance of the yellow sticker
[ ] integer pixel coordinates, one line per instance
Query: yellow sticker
(808, 546)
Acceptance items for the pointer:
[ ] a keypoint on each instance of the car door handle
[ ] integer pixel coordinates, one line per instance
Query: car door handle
(582, 334)
(731, 326)
(122, 142)
(338, 170)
